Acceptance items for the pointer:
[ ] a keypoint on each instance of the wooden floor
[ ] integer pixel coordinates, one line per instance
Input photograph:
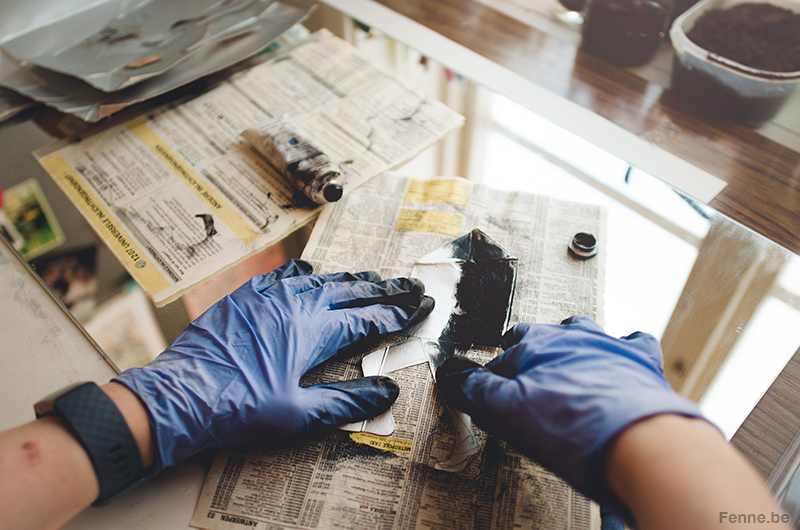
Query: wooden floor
(763, 176)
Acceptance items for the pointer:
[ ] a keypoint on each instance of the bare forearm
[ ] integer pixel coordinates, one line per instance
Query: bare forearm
(46, 477)
(674, 472)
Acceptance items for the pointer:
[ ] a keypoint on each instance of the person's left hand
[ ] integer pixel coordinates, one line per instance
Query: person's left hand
(563, 393)
(233, 376)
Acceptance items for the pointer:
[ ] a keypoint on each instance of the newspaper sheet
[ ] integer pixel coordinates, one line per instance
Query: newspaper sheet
(179, 196)
(361, 480)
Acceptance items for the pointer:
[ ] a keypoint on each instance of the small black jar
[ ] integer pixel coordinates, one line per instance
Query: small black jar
(625, 32)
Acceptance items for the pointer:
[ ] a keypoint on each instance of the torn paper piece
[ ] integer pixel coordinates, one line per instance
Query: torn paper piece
(382, 362)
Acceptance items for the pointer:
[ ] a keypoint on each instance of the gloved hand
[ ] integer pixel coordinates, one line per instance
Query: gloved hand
(561, 393)
(233, 375)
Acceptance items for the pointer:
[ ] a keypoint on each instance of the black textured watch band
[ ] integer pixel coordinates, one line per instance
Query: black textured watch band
(101, 429)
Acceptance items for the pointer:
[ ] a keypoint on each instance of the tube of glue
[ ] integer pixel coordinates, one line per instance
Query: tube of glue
(299, 160)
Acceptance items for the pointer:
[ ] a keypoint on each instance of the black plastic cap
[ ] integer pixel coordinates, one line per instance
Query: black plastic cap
(332, 192)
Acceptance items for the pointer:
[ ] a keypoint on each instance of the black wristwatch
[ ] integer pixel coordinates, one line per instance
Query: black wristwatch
(100, 428)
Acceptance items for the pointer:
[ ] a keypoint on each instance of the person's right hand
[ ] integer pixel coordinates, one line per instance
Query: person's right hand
(562, 393)
(234, 375)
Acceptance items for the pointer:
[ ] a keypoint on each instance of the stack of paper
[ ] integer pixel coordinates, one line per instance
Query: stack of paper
(102, 59)
(179, 196)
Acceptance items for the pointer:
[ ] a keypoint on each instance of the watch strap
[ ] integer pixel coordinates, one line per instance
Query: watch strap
(98, 425)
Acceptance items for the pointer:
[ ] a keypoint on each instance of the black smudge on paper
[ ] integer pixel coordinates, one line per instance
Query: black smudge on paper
(483, 296)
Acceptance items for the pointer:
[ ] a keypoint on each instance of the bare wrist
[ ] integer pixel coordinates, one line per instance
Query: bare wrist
(136, 416)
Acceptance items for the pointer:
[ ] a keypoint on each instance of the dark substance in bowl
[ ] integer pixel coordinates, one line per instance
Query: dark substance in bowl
(706, 91)
(758, 35)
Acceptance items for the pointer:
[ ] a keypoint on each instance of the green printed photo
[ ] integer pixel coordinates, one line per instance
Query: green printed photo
(27, 209)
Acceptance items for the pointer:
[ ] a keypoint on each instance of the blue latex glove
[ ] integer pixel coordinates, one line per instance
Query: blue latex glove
(561, 393)
(233, 375)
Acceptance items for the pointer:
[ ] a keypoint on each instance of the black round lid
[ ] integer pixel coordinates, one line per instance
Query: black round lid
(332, 192)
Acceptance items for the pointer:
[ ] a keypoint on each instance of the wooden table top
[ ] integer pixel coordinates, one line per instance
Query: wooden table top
(763, 176)
(769, 429)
